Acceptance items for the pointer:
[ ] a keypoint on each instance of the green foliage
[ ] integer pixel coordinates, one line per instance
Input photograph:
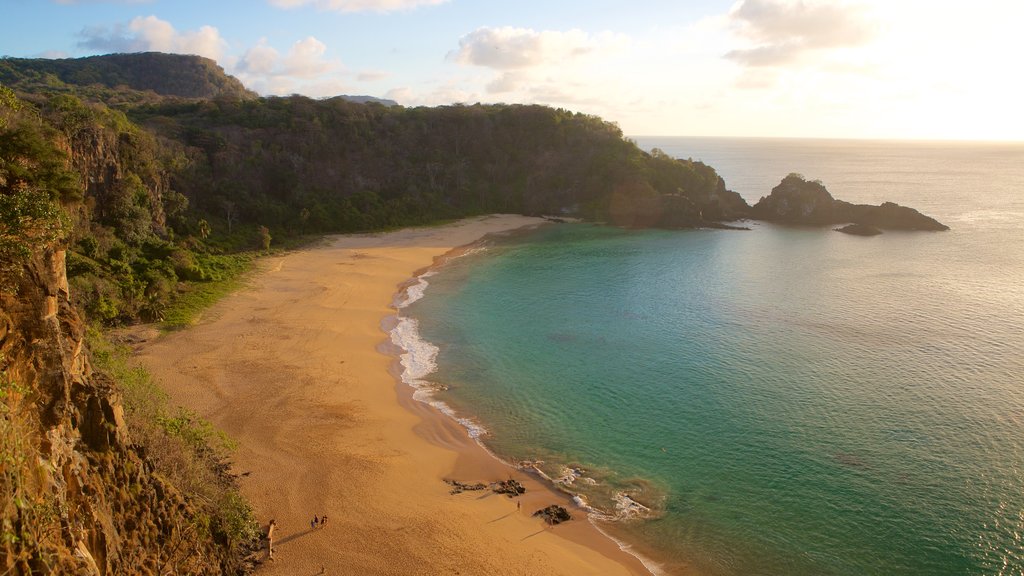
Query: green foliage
(222, 274)
(112, 76)
(32, 179)
(29, 221)
(265, 237)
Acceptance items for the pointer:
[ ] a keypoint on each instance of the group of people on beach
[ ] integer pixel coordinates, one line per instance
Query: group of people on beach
(316, 523)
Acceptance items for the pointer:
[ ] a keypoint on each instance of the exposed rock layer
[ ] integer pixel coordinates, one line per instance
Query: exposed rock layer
(81, 497)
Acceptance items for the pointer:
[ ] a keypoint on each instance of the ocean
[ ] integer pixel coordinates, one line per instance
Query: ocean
(778, 401)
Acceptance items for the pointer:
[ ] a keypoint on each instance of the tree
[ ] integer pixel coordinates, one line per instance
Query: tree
(230, 213)
(29, 222)
(265, 237)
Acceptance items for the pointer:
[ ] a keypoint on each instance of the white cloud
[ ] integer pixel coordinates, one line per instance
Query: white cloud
(509, 48)
(357, 5)
(306, 59)
(150, 33)
(560, 68)
(260, 59)
(372, 75)
(304, 67)
(783, 32)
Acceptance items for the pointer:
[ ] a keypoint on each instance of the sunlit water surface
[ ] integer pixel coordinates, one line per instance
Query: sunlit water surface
(784, 400)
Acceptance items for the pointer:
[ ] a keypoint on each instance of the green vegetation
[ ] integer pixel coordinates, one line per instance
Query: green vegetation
(150, 76)
(225, 275)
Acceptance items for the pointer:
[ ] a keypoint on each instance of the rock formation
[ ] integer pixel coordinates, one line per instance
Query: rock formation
(77, 496)
(553, 514)
(859, 230)
(798, 201)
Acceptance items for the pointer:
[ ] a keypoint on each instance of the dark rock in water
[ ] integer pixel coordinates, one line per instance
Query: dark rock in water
(553, 514)
(510, 487)
(859, 230)
(890, 216)
(798, 201)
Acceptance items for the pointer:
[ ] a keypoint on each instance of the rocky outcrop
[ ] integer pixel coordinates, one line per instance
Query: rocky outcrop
(510, 487)
(798, 201)
(76, 495)
(859, 230)
(553, 514)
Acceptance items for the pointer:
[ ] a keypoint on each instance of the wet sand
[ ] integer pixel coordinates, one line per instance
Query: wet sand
(294, 368)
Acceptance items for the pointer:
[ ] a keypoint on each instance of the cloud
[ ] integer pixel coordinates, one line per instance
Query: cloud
(304, 66)
(150, 33)
(782, 32)
(357, 5)
(510, 48)
(372, 75)
(52, 54)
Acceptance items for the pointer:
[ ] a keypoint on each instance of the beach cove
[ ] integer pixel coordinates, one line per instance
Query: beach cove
(295, 368)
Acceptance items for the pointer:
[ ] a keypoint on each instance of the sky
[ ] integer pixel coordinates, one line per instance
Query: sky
(900, 69)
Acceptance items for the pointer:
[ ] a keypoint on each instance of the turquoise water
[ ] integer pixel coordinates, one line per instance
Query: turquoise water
(782, 400)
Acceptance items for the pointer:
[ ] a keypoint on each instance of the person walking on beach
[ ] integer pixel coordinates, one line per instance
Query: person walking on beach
(323, 521)
(270, 539)
(313, 523)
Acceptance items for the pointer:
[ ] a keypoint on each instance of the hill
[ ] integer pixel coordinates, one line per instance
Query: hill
(164, 74)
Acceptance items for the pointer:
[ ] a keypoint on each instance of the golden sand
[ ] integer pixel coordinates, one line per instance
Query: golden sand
(292, 368)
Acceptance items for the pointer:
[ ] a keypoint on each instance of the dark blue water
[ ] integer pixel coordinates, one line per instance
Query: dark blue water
(778, 401)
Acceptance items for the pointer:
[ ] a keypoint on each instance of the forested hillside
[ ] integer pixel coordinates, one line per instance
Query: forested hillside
(172, 185)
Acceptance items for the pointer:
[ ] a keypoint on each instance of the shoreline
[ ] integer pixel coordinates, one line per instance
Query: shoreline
(291, 367)
(422, 399)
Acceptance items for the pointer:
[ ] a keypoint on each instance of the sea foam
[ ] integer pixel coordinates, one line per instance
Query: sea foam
(419, 357)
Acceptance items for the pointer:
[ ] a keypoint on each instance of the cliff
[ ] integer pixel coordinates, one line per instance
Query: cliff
(798, 201)
(90, 483)
(78, 496)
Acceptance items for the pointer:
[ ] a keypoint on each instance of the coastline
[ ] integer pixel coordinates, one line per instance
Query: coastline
(292, 367)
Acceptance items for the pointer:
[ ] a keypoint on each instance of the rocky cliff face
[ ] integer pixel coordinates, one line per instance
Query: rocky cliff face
(76, 495)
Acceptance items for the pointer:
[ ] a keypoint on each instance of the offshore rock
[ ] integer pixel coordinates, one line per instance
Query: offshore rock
(859, 230)
(798, 201)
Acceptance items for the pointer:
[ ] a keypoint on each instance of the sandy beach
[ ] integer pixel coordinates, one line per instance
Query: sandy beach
(294, 368)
